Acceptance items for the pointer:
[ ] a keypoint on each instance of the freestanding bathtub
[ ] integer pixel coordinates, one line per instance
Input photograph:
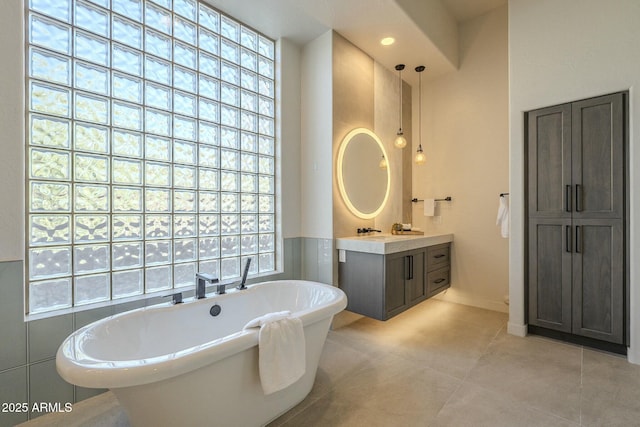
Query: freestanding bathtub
(177, 365)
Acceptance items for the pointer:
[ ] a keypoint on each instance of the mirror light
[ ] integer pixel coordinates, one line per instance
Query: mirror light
(341, 181)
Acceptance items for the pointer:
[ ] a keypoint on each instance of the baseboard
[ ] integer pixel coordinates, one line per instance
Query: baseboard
(517, 329)
(474, 302)
(580, 340)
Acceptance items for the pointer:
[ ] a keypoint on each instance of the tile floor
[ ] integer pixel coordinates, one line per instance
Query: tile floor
(443, 364)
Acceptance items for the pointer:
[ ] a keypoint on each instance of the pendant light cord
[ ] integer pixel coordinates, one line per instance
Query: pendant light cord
(399, 68)
(400, 89)
(419, 70)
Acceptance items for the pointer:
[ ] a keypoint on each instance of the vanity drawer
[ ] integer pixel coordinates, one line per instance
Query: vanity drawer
(438, 256)
(437, 281)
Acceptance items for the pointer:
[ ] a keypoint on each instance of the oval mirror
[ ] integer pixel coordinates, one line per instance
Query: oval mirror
(364, 185)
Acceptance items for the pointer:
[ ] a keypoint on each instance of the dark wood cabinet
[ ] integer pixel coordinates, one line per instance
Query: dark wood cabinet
(405, 281)
(576, 218)
(382, 286)
(598, 280)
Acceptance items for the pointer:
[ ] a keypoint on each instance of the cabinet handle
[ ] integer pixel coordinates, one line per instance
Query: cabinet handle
(567, 198)
(439, 281)
(578, 239)
(567, 238)
(438, 256)
(408, 267)
(578, 198)
(411, 267)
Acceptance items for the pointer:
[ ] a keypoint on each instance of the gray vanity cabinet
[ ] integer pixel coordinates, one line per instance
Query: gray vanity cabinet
(576, 218)
(382, 286)
(405, 280)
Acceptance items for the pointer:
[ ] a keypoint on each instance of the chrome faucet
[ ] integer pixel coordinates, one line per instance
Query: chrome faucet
(201, 283)
(241, 286)
(368, 230)
(222, 288)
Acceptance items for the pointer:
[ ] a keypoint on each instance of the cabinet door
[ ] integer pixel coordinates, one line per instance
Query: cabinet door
(598, 150)
(550, 254)
(598, 280)
(396, 266)
(549, 160)
(416, 279)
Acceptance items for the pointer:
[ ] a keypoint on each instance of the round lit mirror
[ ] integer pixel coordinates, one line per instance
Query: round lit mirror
(364, 179)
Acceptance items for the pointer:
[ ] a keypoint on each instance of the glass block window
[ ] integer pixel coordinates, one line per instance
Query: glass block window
(150, 152)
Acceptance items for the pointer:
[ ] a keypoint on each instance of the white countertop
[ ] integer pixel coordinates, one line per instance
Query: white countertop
(390, 243)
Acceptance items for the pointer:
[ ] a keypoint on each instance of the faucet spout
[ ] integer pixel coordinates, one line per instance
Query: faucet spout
(368, 230)
(201, 283)
(242, 286)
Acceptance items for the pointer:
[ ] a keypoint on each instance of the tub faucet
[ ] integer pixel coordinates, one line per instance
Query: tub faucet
(241, 286)
(222, 288)
(201, 283)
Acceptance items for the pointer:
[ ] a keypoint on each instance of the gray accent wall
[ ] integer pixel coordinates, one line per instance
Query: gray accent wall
(28, 349)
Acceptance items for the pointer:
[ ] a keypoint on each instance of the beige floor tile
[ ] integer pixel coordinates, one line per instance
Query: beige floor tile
(473, 406)
(394, 391)
(442, 364)
(542, 373)
(454, 349)
(610, 391)
(339, 358)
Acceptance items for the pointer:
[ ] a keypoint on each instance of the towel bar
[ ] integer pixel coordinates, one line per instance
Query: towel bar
(446, 199)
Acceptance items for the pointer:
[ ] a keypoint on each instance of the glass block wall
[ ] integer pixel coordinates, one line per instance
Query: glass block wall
(151, 151)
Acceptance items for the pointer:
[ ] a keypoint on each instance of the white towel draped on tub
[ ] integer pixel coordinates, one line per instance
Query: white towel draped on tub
(281, 349)
(503, 217)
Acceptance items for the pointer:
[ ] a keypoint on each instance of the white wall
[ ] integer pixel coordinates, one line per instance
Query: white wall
(465, 134)
(289, 102)
(11, 132)
(560, 51)
(316, 167)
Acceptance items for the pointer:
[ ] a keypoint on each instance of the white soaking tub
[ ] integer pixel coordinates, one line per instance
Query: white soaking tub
(172, 365)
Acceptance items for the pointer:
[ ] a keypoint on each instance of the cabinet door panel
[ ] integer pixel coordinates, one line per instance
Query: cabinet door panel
(598, 280)
(416, 285)
(549, 152)
(598, 146)
(362, 279)
(550, 273)
(396, 266)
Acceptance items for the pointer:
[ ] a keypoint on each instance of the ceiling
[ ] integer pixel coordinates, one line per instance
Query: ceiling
(463, 10)
(425, 30)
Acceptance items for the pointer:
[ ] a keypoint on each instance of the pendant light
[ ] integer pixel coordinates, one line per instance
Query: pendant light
(420, 158)
(383, 163)
(400, 141)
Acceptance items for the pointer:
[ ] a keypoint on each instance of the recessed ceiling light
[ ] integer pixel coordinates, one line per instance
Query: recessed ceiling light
(387, 41)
